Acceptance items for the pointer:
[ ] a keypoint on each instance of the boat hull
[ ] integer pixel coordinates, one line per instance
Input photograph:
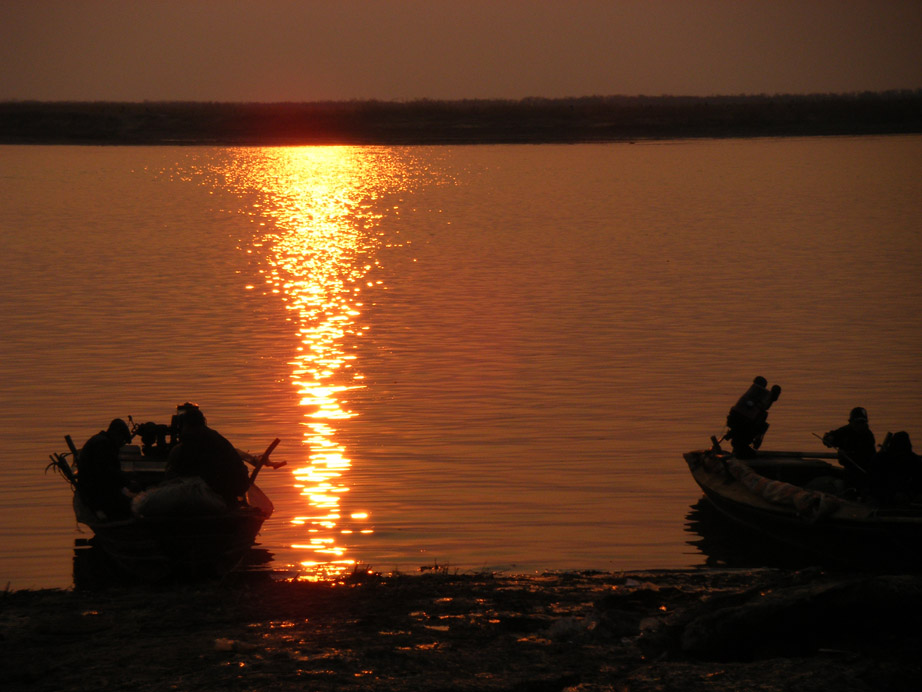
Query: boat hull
(831, 529)
(154, 548)
(187, 532)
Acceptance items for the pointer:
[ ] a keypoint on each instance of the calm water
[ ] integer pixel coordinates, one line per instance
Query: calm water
(486, 357)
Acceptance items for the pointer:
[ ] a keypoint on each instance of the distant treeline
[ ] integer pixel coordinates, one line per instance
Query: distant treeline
(535, 120)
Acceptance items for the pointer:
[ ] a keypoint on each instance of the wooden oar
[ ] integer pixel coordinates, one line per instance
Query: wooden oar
(851, 464)
(845, 460)
(264, 460)
(256, 497)
(800, 455)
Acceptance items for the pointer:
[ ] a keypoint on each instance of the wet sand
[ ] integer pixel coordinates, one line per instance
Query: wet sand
(676, 630)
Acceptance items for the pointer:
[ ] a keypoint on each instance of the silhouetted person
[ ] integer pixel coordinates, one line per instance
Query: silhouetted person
(856, 445)
(747, 420)
(897, 472)
(206, 453)
(176, 422)
(100, 480)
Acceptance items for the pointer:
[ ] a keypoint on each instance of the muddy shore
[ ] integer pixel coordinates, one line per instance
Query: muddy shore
(670, 630)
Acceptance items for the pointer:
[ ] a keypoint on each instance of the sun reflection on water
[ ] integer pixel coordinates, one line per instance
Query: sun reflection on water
(319, 247)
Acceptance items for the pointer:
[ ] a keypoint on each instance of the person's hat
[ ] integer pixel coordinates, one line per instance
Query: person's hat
(858, 414)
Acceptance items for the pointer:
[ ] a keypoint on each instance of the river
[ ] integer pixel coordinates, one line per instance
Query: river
(476, 357)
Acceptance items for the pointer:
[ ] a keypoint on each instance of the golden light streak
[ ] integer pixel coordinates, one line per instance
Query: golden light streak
(318, 208)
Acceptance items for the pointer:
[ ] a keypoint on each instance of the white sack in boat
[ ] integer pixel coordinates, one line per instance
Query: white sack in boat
(810, 504)
(189, 496)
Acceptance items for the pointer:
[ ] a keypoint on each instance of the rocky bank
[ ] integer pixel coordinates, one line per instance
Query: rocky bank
(669, 630)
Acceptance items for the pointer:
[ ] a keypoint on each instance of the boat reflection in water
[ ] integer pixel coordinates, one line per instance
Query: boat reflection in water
(94, 568)
(321, 204)
(726, 545)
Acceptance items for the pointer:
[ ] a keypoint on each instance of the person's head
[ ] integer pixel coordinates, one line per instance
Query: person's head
(858, 415)
(186, 407)
(191, 418)
(118, 431)
(900, 442)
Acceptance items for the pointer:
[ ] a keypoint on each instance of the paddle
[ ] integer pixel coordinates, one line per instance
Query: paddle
(846, 460)
(256, 497)
(798, 455)
(264, 460)
(71, 446)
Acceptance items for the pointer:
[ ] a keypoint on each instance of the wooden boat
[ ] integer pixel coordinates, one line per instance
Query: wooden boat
(152, 548)
(799, 499)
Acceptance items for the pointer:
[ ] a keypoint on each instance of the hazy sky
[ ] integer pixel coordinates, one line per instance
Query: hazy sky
(307, 50)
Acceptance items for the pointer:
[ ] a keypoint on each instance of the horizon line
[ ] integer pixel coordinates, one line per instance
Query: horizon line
(524, 99)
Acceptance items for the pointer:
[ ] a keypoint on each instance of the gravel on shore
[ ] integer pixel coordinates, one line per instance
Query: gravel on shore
(721, 629)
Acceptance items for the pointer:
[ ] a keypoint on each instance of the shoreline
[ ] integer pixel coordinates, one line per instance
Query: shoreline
(714, 629)
(527, 121)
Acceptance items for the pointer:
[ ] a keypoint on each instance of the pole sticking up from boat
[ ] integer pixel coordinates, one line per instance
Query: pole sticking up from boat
(846, 460)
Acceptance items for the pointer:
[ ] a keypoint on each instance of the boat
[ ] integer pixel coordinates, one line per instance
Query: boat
(187, 546)
(802, 501)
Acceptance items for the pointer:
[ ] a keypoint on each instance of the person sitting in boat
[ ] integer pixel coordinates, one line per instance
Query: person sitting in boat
(204, 452)
(856, 446)
(897, 471)
(101, 484)
(176, 421)
(747, 421)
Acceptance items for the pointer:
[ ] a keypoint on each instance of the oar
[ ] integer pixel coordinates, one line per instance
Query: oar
(264, 460)
(846, 460)
(798, 455)
(715, 443)
(256, 497)
(71, 446)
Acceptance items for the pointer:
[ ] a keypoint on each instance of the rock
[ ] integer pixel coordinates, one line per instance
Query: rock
(851, 613)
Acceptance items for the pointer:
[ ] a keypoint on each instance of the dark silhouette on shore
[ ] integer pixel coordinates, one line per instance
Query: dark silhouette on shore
(532, 120)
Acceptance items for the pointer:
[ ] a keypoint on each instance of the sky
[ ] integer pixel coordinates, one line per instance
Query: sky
(397, 50)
